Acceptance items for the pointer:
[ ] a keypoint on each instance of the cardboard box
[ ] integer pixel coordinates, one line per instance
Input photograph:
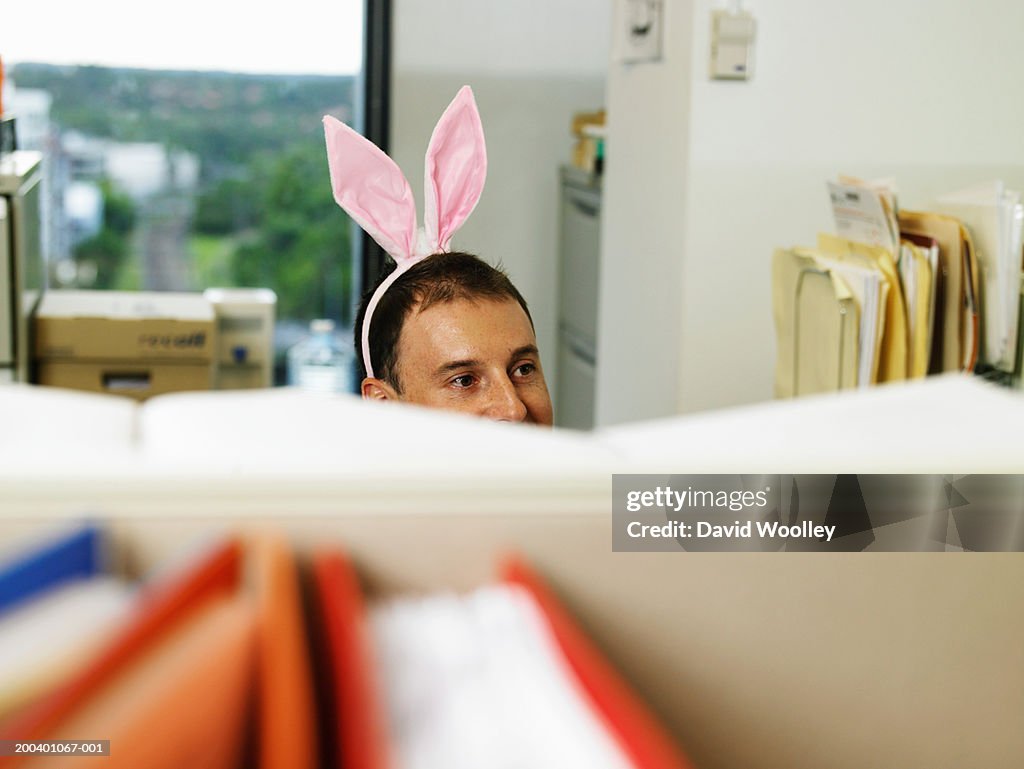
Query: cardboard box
(137, 344)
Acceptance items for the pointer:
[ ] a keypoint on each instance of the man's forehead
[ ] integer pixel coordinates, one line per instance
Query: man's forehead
(460, 301)
(467, 310)
(466, 328)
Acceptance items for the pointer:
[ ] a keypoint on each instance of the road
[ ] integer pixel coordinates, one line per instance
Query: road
(164, 222)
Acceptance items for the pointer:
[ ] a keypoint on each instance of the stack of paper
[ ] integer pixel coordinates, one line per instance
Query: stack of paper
(817, 349)
(955, 326)
(865, 212)
(892, 362)
(817, 321)
(994, 215)
(501, 677)
(870, 291)
(478, 680)
(919, 264)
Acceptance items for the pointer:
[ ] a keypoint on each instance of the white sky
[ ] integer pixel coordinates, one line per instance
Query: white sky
(285, 36)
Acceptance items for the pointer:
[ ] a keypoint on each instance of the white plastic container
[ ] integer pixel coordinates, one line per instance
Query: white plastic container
(245, 337)
(321, 362)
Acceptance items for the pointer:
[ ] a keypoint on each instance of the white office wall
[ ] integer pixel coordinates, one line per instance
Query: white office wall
(925, 91)
(645, 198)
(532, 64)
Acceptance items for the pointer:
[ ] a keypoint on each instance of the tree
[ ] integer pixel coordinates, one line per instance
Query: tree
(230, 206)
(108, 249)
(300, 247)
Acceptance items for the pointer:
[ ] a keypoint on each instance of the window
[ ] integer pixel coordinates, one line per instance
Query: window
(185, 150)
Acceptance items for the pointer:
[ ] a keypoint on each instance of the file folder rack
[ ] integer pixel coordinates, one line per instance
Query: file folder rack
(933, 291)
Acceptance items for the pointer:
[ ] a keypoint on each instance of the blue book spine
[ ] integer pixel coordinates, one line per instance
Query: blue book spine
(75, 556)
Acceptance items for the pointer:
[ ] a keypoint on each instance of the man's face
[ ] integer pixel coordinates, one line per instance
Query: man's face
(475, 356)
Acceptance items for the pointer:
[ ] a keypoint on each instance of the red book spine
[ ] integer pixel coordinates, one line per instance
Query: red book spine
(362, 736)
(642, 738)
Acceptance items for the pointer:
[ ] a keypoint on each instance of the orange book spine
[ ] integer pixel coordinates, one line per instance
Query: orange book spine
(286, 731)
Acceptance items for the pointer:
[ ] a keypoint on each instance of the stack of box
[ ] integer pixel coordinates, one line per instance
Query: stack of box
(588, 128)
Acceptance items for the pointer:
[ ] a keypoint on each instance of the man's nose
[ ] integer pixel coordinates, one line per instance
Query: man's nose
(503, 402)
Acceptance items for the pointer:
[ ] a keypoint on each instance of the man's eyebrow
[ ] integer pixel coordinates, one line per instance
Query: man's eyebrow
(526, 349)
(456, 364)
(445, 368)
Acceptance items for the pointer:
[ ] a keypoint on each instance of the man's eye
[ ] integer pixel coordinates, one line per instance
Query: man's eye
(466, 380)
(525, 369)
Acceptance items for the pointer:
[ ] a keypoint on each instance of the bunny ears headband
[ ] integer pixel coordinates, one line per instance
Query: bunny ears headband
(375, 193)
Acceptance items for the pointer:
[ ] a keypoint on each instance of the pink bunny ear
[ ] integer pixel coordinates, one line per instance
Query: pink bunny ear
(372, 189)
(456, 168)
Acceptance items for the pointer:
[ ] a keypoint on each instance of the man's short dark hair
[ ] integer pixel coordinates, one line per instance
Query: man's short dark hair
(439, 278)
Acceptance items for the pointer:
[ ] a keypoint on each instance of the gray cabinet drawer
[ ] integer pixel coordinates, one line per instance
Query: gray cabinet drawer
(580, 252)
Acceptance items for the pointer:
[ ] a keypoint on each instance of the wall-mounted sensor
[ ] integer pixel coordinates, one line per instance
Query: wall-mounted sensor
(732, 45)
(639, 25)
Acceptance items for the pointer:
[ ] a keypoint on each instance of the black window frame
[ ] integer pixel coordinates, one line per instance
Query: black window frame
(374, 122)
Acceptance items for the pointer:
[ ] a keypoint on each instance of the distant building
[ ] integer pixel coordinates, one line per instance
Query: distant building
(86, 155)
(36, 132)
(83, 206)
(139, 169)
(31, 109)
